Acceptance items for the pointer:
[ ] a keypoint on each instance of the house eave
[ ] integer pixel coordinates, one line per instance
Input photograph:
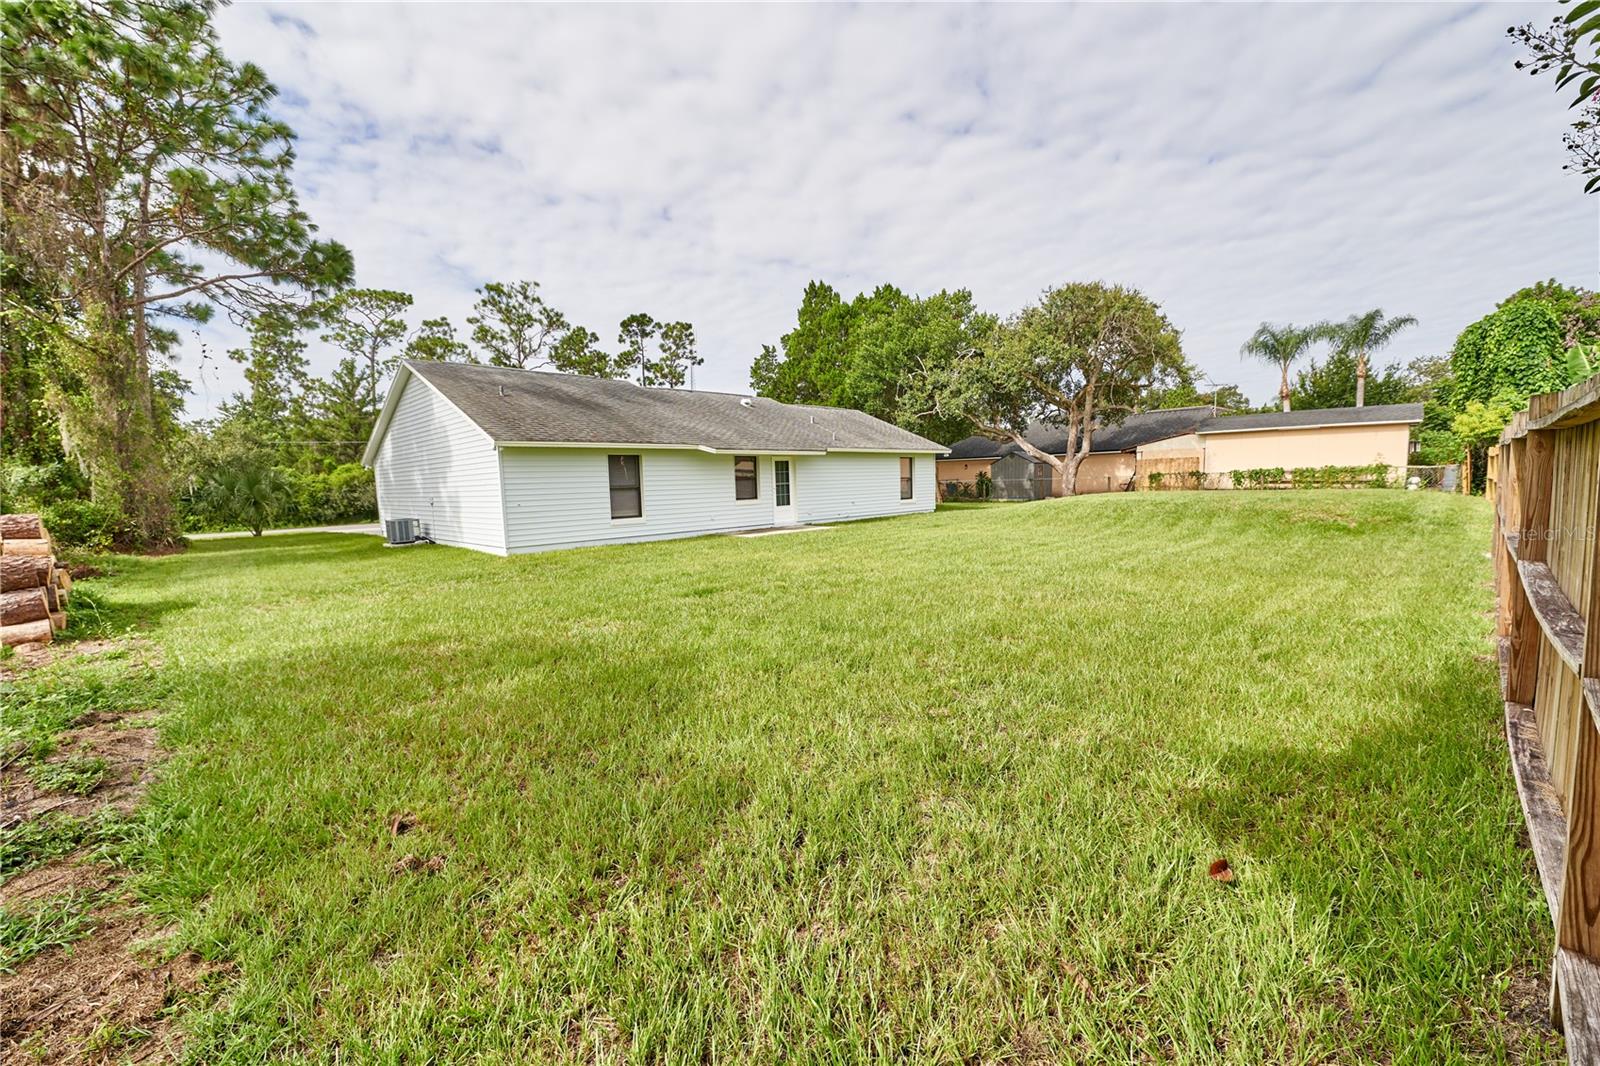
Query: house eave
(1310, 425)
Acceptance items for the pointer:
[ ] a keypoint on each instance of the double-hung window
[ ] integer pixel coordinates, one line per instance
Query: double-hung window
(905, 477)
(626, 499)
(744, 477)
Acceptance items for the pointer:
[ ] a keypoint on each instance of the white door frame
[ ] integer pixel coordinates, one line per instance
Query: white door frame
(783, 514)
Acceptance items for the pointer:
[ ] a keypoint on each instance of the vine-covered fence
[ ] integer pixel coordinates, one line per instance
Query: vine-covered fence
(1544, 480)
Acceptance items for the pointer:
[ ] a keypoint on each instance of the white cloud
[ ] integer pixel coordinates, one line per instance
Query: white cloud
(1236, 163)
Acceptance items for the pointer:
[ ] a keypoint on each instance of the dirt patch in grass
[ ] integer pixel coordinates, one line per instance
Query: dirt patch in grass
(114, 759)
(104, 998)
(27, 657)
(74, 874)
(89, 978)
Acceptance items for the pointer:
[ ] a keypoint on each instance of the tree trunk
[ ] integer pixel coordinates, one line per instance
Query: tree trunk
(23, 571)
(23, 605)
(1283, 390)
(1361, 379)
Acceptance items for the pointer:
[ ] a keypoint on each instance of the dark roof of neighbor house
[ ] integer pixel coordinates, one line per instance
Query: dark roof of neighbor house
(536, 407)
(1325, 416)
(1134, 430)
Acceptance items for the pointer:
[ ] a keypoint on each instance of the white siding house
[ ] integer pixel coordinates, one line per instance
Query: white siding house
(508, 461)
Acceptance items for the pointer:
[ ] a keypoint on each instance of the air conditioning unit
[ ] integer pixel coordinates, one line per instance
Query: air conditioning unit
(401, 530)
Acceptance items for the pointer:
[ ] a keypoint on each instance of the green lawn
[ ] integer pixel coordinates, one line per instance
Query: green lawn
(935, 788)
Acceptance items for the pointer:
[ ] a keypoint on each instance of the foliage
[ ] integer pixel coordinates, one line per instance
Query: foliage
(1258, 477)
(143, 174)
(866, 354)
(1358, 337)
(366, 324)
(80, 523)
(1569, 49)
(676, 358)
(1282, 345)
(1509, 355)
(1155, 479)
(1080, 358)
(1438, 447)
(251, 495)
(1369, 476)
(1480, 423)
(634, 335)
(515, 325)
(1190, 391)
(435, 341)
(1333, 383)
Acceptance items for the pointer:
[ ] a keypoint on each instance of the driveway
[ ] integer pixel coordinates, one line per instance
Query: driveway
(371, 529)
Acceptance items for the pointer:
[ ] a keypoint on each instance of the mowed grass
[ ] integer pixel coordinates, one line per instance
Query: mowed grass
(939, 788)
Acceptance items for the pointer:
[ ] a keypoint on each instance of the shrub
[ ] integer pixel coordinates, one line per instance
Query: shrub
(1372, 475)
(1196, 478)
(1155, 479)
(1259, 477)
(80, 524)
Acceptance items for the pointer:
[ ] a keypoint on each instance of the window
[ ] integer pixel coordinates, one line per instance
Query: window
(744, 477)
(780, 482)
(626, 501)
(905, 477)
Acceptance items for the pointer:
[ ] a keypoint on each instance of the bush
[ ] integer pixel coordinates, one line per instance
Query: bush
(80, 524)
(1259, 477)
(1371, 476)
(1155, 479)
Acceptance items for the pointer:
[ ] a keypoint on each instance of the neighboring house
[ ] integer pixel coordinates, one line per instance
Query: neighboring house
(1109, 466)
(508, 461)
(1336, 436)
(1191, 438)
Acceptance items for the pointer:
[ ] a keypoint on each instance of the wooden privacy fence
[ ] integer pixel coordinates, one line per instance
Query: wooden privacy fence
(1544, 480)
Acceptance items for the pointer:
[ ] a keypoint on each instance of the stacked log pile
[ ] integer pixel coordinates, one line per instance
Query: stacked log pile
(34, 587)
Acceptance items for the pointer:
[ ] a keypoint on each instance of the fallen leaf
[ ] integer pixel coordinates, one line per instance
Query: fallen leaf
(1221, 871)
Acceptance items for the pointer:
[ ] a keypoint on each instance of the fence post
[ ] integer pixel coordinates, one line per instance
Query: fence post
(1535, 473)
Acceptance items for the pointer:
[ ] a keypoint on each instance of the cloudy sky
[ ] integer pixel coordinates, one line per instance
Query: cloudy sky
(703, 163)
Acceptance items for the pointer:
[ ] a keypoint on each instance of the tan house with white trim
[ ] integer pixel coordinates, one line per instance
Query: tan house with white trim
(1340, 436)
(1195, 438)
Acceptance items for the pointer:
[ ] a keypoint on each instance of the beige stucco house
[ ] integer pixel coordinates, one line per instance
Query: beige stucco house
(1191, 438)
(1340, 436)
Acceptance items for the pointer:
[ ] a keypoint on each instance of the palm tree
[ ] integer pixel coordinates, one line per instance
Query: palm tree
(1281, 346)
(1361, 335)
(249, 494)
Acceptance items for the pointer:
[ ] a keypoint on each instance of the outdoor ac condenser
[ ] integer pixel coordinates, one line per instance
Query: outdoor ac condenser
(400, 530)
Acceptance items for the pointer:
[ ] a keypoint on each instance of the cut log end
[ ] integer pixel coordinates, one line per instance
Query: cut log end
(25, 605)
(39, 632)
(21, 526)
(26, 546)
(58, 620)
(24, 571)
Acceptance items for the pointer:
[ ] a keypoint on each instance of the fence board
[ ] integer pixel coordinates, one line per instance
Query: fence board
(1543, 479)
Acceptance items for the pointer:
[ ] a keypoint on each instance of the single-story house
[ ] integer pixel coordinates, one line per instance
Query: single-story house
(1334, 436)
(508, 461)
(1194, 438)
(1109, 466)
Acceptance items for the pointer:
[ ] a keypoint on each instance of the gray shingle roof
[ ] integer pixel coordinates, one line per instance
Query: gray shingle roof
(1132, 431)
(1324, 416)
(527, 406)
